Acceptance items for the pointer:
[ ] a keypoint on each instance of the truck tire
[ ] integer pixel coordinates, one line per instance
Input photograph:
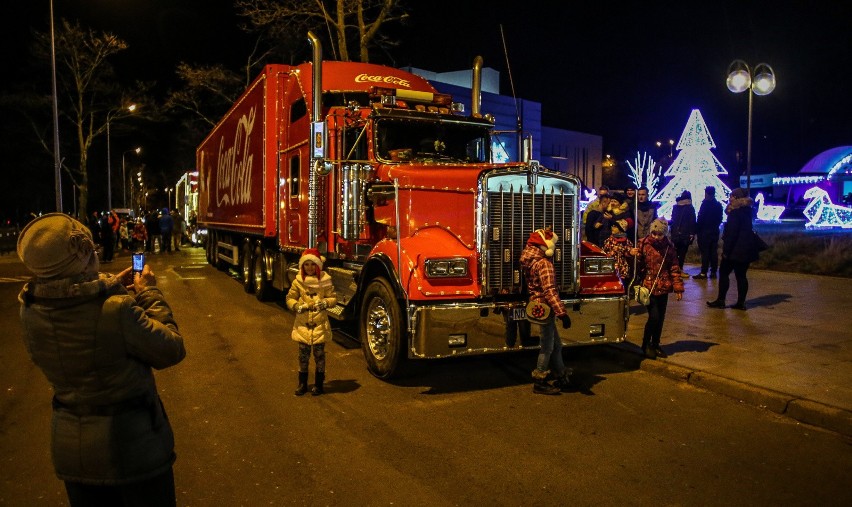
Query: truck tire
(260, 280)
(208, 249)
(382, 330)
(247, 267)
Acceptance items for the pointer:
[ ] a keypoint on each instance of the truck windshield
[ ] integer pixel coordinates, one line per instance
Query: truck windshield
(429, 140)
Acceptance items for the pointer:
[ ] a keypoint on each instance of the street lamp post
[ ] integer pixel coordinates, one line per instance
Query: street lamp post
(169, 198)
(124, 178)
(130, 108)
(760, 82)
(57, 161)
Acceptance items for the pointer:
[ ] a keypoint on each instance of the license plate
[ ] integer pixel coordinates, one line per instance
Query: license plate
(519, 313)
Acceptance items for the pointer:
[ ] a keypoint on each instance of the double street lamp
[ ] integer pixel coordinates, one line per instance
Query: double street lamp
(759, 81)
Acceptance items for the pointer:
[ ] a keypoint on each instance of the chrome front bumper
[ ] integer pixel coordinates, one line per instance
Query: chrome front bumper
(468, 329)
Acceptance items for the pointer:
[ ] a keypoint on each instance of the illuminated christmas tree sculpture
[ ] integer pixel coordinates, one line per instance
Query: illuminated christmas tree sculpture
(694, 168)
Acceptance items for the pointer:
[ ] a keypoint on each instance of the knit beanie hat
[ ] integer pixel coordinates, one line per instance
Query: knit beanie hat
(311, 254)
(660, 225)
(544, 239)
(57, 246)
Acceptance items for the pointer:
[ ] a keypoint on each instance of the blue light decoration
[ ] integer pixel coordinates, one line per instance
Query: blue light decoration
(591, 195)
(646, 173)
(822, 213)
(694, 168)
(767, 212)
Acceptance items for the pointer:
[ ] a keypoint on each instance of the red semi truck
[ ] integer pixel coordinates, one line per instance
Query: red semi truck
(394, 183)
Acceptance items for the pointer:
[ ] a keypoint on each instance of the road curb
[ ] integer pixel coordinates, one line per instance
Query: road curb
(802, 410)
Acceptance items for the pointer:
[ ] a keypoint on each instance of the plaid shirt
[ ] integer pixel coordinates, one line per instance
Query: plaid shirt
(541, 279)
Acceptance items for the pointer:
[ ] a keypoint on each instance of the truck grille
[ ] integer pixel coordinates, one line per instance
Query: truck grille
(512, 210)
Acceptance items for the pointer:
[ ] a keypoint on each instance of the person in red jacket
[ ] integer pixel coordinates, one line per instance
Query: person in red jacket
(538, 271)
(658, 261)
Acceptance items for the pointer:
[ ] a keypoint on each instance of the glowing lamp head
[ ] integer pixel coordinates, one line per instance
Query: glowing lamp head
(739, 76)
(764, 79)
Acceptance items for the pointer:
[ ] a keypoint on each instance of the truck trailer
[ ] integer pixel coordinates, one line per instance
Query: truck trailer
(394, 183)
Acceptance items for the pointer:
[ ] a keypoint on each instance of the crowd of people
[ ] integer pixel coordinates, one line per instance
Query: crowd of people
(155, 231)
(650, 251)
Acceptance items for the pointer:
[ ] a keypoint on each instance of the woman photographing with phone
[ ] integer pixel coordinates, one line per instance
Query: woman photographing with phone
(97, 337)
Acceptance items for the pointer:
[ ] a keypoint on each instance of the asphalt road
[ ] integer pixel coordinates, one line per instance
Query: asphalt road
(465, 431)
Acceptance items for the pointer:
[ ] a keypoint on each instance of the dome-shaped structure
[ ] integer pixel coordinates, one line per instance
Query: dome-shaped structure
(830, 171)
(834, 161)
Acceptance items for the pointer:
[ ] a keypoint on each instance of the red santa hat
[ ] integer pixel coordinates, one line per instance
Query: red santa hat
(313, 255)
(544, 239)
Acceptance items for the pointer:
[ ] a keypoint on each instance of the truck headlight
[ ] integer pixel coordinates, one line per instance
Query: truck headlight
(598, 265)
(446, 268)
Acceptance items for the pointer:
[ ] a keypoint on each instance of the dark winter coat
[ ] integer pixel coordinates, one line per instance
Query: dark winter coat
(96, 344)
(646, 213)
(709, 219)
(652, 253)
(738, 236)
(683, 222)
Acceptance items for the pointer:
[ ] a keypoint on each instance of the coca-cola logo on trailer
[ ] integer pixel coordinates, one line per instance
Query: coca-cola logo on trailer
(234, 165)
(393, 80)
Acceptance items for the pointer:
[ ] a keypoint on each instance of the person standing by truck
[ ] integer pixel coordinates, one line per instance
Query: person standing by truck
(310, 296)
(538, 271)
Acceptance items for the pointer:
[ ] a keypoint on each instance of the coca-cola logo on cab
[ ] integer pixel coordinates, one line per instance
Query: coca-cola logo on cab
(393, 80)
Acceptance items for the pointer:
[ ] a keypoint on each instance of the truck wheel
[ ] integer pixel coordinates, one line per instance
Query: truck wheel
(381, 330)
(247, 267)
(260, 281)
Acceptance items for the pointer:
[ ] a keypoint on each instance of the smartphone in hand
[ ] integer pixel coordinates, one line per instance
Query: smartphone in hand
(138, 262)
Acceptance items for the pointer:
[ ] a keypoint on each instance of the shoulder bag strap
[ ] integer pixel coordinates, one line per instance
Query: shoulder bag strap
(660, 270)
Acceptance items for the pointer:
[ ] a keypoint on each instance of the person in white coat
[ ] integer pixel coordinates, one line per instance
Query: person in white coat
(310, 296)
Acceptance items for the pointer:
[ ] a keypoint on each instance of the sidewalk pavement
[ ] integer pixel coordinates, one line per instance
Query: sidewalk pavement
(790, 351)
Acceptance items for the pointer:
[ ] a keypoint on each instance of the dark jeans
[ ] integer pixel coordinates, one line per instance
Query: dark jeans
(165, 241)
(709, 248)
(739, 269)
(109, 248)
(680, 248)
(158, 491)
(656, 318)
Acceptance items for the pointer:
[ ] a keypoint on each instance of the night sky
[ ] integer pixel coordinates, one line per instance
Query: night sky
(631, 75)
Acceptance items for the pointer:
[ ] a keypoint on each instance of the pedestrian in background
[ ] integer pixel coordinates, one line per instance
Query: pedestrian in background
(167, 225)
(538, 271)
(152, 223)
(683, 227)
(618, 246)
(107, 237)
(738, 249)
(707, 231)
(140, 236)
(178, 228)
(646, 213)
(97, 343)
(657, 261)
(595, 204)
(598, 220)
(310, 296)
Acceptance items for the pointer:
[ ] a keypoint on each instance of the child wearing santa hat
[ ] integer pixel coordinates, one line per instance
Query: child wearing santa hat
(541, 282)
(310, 296)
